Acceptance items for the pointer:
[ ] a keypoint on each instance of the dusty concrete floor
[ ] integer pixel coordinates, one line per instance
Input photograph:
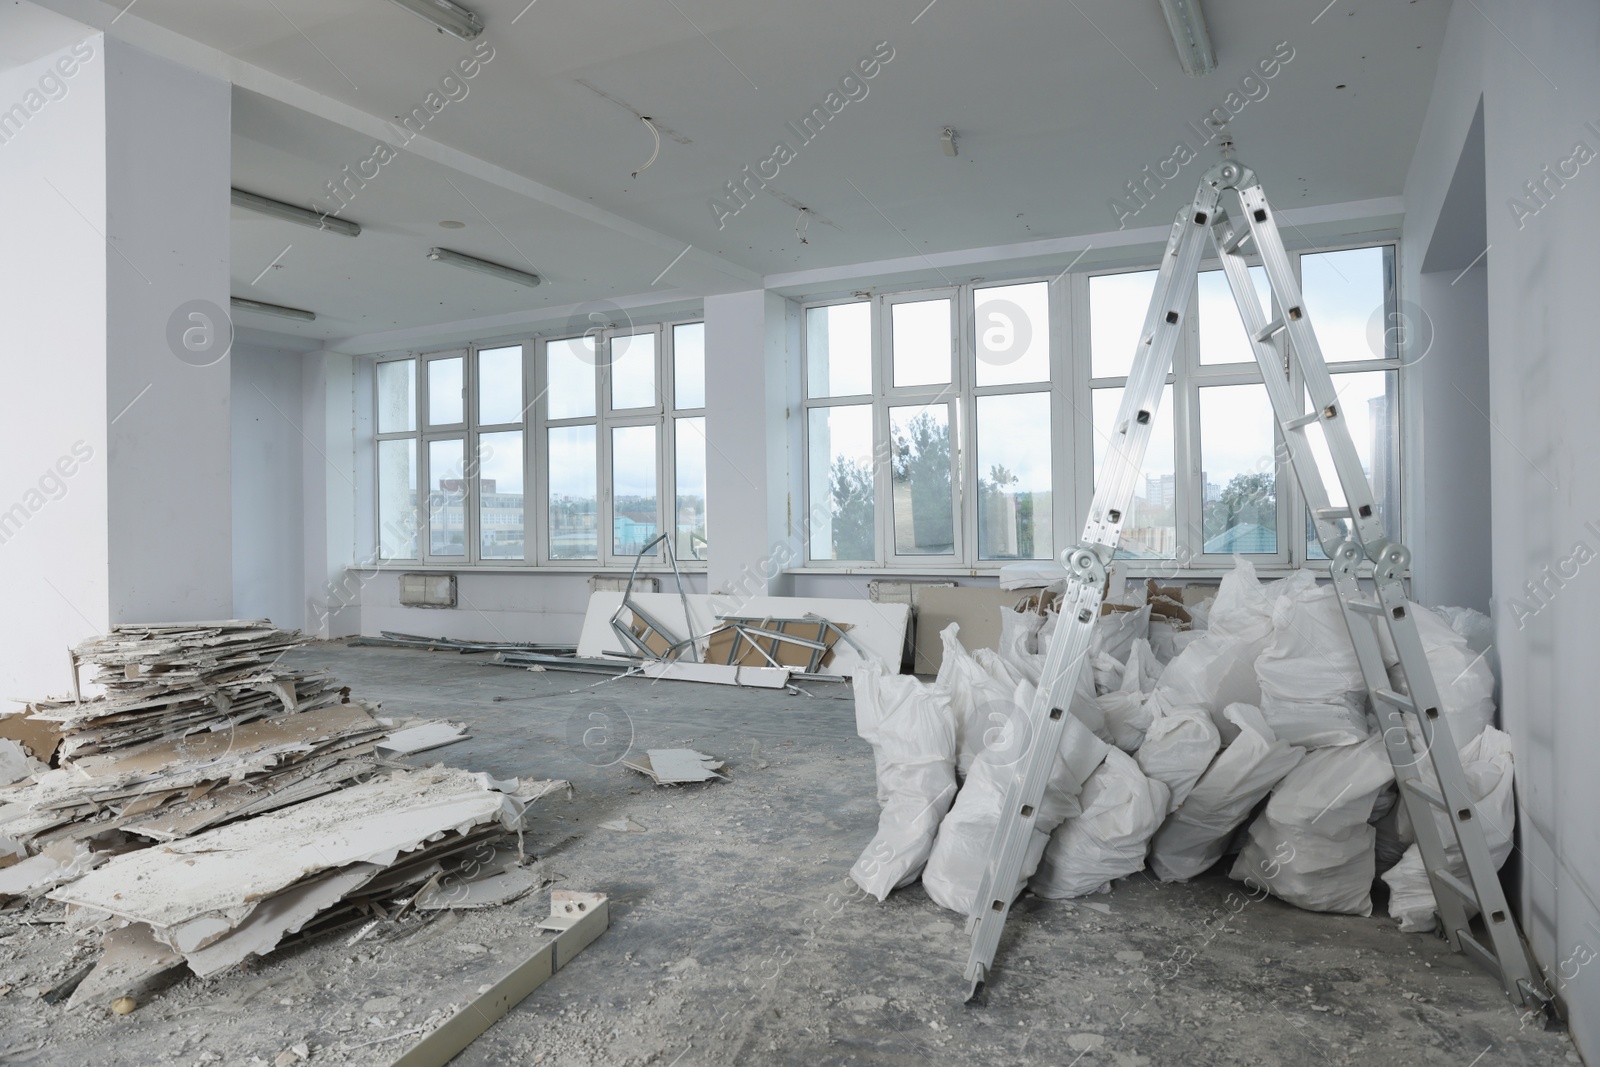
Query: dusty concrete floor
(737, 937)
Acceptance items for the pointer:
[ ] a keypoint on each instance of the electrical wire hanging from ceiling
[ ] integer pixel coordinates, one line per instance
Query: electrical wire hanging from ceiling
(657, 135)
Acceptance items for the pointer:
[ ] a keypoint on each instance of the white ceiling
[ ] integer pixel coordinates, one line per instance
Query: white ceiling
(1056, 106)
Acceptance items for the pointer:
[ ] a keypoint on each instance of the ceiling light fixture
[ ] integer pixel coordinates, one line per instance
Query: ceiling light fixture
(272, 309)
(289, 213)
(948, 141)
(451, 18)
(1188, 25)
(483, 266)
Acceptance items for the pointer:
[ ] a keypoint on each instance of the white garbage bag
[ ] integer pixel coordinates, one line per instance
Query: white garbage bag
(912, 731)
(1313, 845)
(998, 668)
(1464, 679)
(977, 697)
(1218, 668)
(1195, 836)
(1121, 809)
(961, 851)
(1125, 708)
(1177, 749)
(1489, 767)
(1312, 690)
(1024, 646)
(1115, 632)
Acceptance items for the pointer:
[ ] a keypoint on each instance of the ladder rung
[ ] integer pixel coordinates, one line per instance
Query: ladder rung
(1425, 792)
(1333, 513)
(1457, 886)
(1236, 237)
(1269, 329)
(1393, 699)
(1486, 959)
(1364, 606)
(1302, 421)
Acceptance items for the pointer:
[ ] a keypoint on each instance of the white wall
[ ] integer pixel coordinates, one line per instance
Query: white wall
(168, 164)
(268, 490)
(53, 551)
(1534, 68)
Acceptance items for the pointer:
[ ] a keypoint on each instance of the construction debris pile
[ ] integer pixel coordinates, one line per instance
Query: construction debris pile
(1234, 725)
(212, 802)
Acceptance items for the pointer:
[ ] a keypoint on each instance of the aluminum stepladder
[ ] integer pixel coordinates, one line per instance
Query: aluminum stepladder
(1409, 720)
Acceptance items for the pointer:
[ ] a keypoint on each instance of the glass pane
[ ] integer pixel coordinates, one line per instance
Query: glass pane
(1346, 295)
(633, 371)
(690, 450)
(447, 511)
(1012, 323)
(1238, 470)
(840, 474)
(919, 469)
(839, 350)
(1117, 307)
(1222, 337)
(689, 365)
(922, 342)
(397, 396)
(397, 499)
(500, 385)
(1370, 401)
(1150, 530)
(569, 378)
(573, 514)
(1014, 476)
(633, 488)
(446, 392)
(500, 495)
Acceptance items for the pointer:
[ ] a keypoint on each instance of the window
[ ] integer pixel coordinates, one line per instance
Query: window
(964, 427)
(1216, 423)
(929, 427)
(571, 439)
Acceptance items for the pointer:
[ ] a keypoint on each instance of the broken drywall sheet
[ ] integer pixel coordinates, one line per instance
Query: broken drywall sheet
(132, 958)
(676, 766)
(421, 738)
(273, 919)
(194, 892)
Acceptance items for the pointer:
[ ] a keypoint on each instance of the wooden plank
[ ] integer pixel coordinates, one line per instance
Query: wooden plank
(584, 916)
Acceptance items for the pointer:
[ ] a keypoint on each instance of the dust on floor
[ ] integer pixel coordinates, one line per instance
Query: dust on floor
(738, 938)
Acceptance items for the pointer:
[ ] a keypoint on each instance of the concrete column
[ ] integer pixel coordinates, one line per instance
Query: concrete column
(753, 461)
(115, 465)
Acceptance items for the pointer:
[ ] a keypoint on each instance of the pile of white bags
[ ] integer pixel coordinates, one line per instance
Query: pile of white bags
(1121, 809)
(1196, 834)
(1313, 845)
(1312, 690)
(1126, 706)
(912, 731)
(1488, 764)
(961, 851)
(1466, 684)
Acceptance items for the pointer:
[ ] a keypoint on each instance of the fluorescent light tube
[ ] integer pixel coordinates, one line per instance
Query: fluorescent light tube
(289, 213)
(451, 18)
(272, 309)
(483, 266)
(1188, 25)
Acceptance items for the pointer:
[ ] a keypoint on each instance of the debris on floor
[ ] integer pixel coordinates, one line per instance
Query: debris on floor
(1203, 726)
(676, 766)
(211, 804)
(421, 737)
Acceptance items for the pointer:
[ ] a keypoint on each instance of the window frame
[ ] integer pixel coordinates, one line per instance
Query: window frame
(1071, 389)
(534, 427)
